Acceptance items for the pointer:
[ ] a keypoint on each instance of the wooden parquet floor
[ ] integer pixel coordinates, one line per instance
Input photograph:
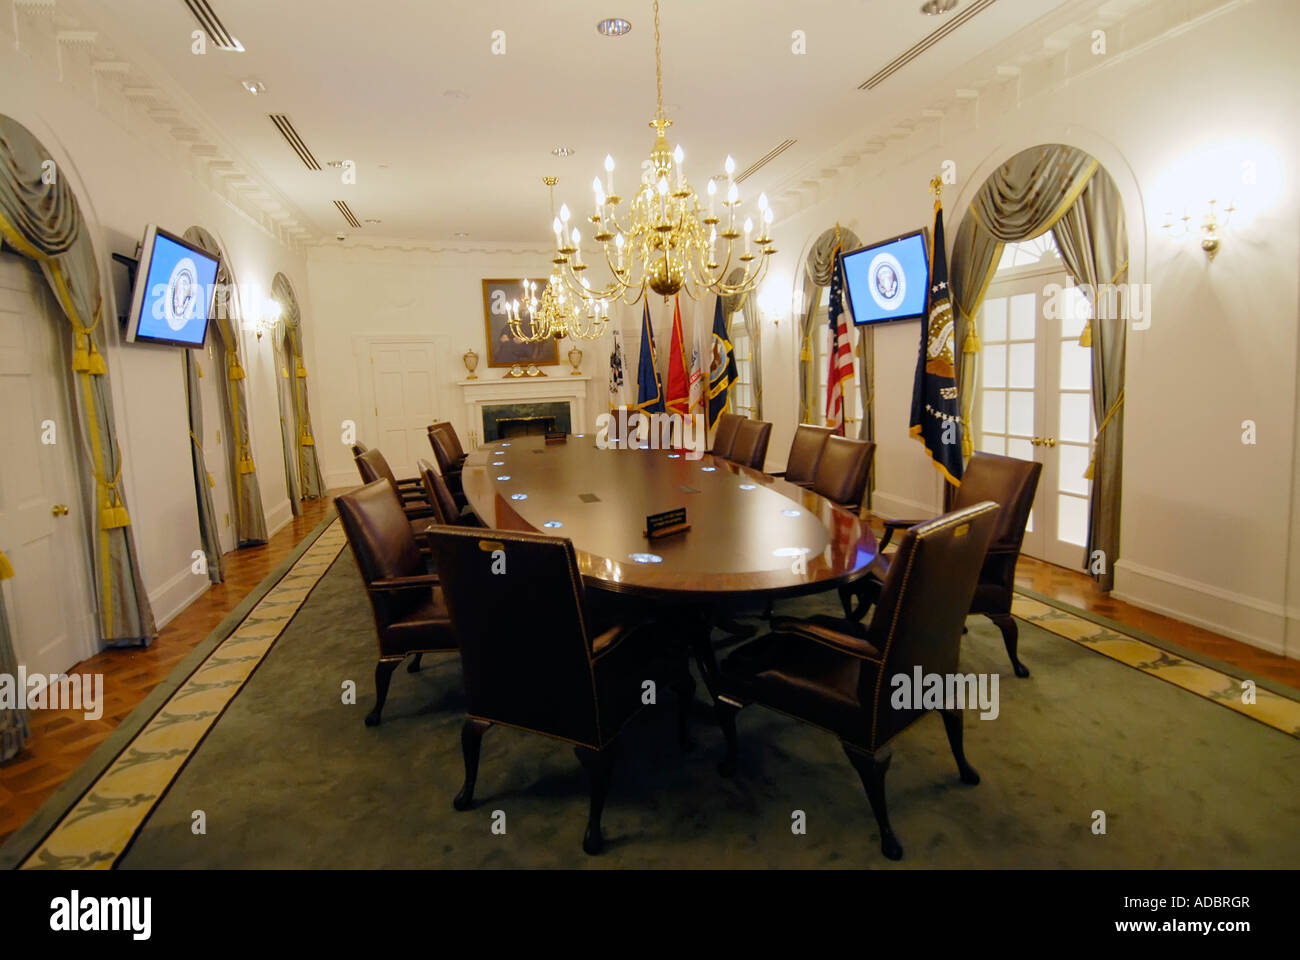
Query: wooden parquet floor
(62, 740)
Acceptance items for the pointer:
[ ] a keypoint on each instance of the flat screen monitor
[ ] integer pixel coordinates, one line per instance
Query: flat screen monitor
(889, 280)
(175, 284)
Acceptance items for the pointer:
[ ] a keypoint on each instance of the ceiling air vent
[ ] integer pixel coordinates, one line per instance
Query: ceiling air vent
(348, 215)
(286, 128)
(212, 26)
(910, 54)
(764, 160)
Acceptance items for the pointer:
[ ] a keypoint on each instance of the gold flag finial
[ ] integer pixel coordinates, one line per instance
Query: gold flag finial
(936, 186)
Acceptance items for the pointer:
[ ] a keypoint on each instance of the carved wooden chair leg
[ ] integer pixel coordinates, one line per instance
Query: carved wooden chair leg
(872, 768)
(952, 723)
(471, 742)
(1011, 637)
(383, 677)
(726, 712)
(414, 665)
(599, 765)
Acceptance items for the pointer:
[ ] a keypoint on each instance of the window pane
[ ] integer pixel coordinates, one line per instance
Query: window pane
(1022, 365)
(1020, 449)
(1076, 366)
(1073, 464)
(1074, 309)
(995, 365)
(1072, 519)
(994, 444)
(993, 417)
(1020, 413)
(995, 319)
(1024, 312)
(1076, 409)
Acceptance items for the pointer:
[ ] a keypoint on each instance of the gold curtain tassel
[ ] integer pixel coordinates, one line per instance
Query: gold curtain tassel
(972, 342)
(246, 465)
(236, 371)
(199, 369)
(111, 518)
(97, 366)
(6, 568)
(81, 355)
(1087, 474)
(211, 482)
(1085, 338)
(307, 441)
(300, 370)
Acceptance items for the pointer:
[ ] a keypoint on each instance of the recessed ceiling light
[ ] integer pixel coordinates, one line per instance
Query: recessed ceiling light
(455, 94)
(932, 8)
(461, 235)
(253, 86)
(336, 164)
(373, 220)
(613, 27)
(563, 151)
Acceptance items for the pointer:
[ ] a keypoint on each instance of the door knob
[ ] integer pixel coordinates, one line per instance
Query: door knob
(59, 510)
(1049, 442)
(1037, 441)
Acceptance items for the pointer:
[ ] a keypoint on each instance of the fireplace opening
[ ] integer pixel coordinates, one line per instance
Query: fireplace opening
(525, 418)
(508, 427)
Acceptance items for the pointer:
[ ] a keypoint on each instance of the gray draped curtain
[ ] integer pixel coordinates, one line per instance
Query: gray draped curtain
(1062, 189)
(209, 533)
(246, 492)
(288, 430)
(818, 270)
(41, 219)
(13, 723)
(748, 308)
(310, 485)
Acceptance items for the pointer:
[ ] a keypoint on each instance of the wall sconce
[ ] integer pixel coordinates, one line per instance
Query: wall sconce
(769, 299)
(269, 314)
(1210, 228)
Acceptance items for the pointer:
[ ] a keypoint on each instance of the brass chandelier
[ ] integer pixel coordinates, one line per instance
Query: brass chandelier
(557, 313)
(665, 241)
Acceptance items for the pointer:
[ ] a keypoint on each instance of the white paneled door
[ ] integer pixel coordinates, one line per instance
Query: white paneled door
(41, 527)
(1035, 403)
(405, 393)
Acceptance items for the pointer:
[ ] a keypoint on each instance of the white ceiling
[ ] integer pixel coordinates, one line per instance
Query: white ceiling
(467, 135)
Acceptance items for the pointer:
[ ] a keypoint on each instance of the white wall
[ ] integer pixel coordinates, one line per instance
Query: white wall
(1207, 523)
(126, 175)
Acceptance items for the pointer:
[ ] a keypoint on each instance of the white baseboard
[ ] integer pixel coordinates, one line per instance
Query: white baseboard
(177, 593)
(1248, 619)
(279, 517)
(890, 505)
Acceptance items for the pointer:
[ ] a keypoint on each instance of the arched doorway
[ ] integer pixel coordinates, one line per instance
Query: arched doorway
(1065, 191)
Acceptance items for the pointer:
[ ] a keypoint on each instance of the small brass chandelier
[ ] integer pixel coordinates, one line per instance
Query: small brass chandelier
(557, 313)
(665, 242)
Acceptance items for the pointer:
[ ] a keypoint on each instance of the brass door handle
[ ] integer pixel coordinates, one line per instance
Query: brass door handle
(1049, 442)
(1037, 441)
(59, 510)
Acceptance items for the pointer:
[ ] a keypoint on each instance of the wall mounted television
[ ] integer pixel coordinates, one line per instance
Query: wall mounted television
(175, 284)
(889, 280)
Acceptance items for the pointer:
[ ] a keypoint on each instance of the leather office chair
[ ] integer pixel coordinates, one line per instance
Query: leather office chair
(407, 486)
(410, 616)
(451, 439)
(449, 461)
(835, 677)
(750, 448)
(1012, 484)
(842, 470)
(446, 511)
(372, 466)
(805, 452)
(724, 438)
(531, 659)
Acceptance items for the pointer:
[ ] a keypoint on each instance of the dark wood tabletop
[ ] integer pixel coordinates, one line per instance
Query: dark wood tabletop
(746, 528)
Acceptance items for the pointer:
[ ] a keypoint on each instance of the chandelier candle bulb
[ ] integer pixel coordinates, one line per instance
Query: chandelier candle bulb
(713, 190)
(609, 175)
(678, 156)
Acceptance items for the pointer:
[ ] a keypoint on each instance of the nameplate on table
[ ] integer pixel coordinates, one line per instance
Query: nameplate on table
(667, 523)
(555, 437)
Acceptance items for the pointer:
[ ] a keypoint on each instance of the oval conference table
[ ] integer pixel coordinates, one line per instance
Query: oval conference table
(751, 535)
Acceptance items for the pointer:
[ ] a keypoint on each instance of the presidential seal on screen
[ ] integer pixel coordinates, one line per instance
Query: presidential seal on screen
(182, 296)
(888, 284)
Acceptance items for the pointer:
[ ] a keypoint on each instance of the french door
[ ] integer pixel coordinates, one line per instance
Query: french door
(1035, 403)
(41, 527)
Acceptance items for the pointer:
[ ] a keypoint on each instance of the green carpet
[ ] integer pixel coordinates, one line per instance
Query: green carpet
(291, 777)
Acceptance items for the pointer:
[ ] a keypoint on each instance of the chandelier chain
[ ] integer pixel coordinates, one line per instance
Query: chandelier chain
(659, 68)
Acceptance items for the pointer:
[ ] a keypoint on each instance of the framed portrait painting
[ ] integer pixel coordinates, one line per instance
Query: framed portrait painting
(503, 350)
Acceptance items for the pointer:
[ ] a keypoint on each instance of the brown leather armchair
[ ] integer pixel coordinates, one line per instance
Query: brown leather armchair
(372, 466)
(839, 677)
(449, 460)
(724, 438)
(530, 658)
(410, 616)
(842, 470)
(750, 448)
(451, 441)
(1012, 484)
(446, 511)
(406, 487)
(805, 451)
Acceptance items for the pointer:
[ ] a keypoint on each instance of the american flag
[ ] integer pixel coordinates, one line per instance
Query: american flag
(841, 354)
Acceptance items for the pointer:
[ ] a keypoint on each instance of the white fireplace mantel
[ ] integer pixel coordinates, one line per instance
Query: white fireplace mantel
(485, 392)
